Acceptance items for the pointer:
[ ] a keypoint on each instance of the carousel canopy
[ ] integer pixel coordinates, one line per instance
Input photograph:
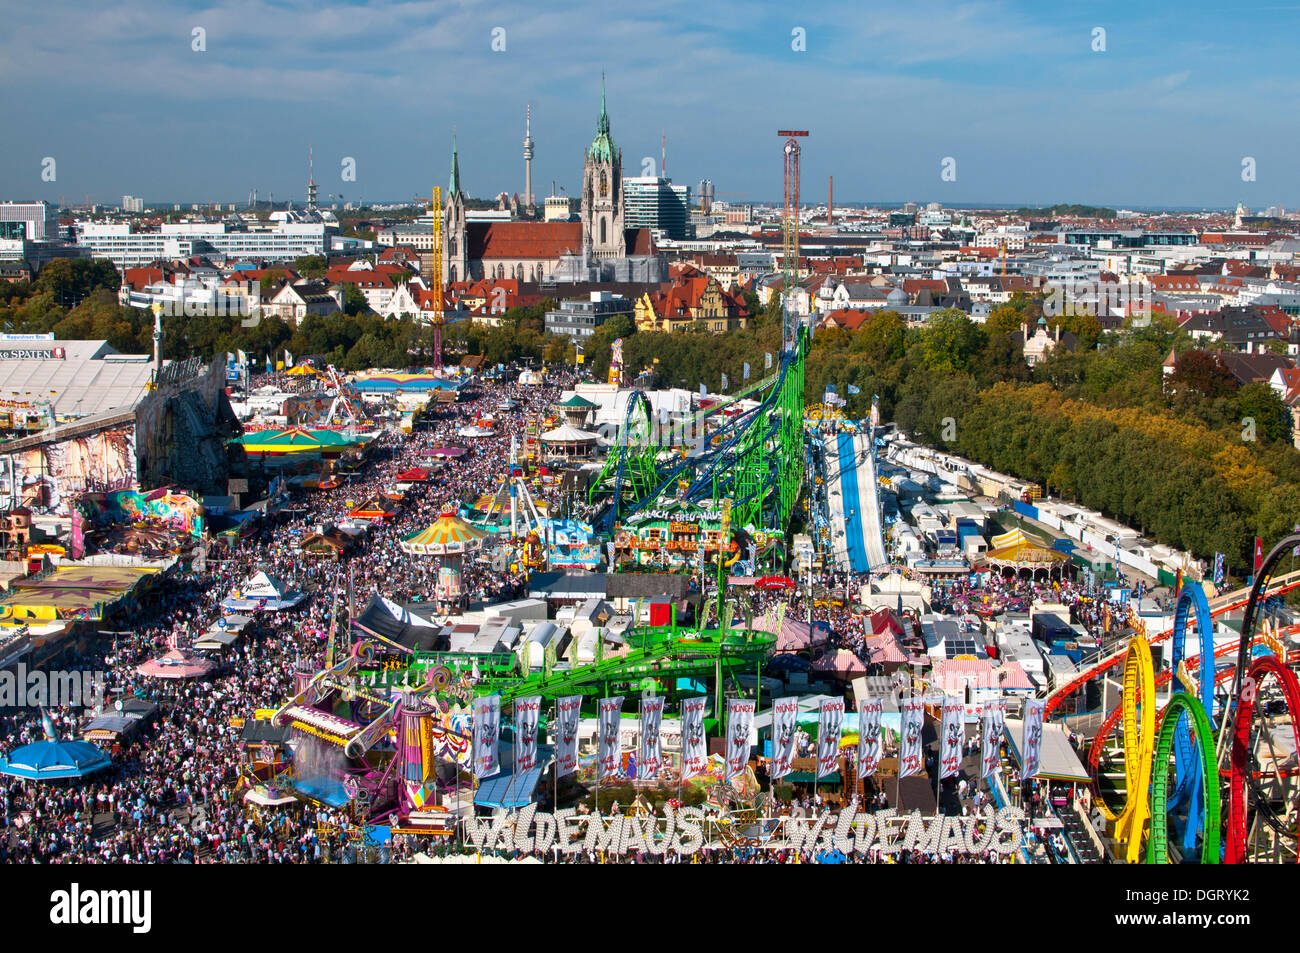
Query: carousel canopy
(1019, 547)
(448, 452)
(577, 402)
(48, 760)
(448, 534)
(569, 434)
(178, 663)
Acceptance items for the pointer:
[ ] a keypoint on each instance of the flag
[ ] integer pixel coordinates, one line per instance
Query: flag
(47, 726)
(487, 732)
(1295, 550)
(830, 389)
(1178, 581)
(694, 757)
(242, 358)
(527, 713)
(746, 370)
(951, 734)
(784, 726)
(724, 381)
(995, 713)
(1259, 555)
(268, 363)
(767, 360)
(829, 727)
(610, 754)
(1218, 569)
(288, 358)
(704, 391)
(740, 716)
(869, 714)
(909, 746)
(567, 710)
(854, 390)
(650, 759)
(1033, 737)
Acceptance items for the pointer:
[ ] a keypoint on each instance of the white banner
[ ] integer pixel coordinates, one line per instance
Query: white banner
(650, 760)
(610, 753)
(740, 718)
(1033, 737)
(909, 745)
(952, 734)
(784, 725)
(567, 712)
(527, 713)
(995, 713)
(487, 732)
(830, 724)
(695, 756)
(869, 714)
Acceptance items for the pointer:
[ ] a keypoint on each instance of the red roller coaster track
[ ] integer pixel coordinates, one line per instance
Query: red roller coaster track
(1228, 602)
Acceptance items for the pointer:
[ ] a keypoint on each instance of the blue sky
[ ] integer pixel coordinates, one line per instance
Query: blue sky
(1013, 91)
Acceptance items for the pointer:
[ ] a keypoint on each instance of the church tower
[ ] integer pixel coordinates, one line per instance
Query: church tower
(455, 264)
(602, 192)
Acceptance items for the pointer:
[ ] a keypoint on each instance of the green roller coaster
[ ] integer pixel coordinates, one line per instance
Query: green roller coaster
(662, 654)
(755, 457)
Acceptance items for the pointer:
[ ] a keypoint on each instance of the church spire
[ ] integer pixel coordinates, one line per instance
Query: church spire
(602, 124)
(453, 185)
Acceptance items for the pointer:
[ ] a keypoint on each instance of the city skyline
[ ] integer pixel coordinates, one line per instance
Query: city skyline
(1032, 112)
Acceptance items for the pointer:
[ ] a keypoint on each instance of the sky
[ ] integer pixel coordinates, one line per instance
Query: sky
(1033, 104)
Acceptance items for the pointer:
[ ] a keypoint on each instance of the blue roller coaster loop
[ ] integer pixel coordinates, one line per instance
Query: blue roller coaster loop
(1189, 785)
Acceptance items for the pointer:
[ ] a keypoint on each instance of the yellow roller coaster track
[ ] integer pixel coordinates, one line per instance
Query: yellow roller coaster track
(1139, 746)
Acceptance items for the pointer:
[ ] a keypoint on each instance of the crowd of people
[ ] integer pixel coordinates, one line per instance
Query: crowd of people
(171, 793)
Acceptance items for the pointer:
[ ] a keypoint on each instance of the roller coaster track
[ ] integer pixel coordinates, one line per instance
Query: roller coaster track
(671, 656)
(1248, 675)
(755, 459)
(1183, 707)
(1227, 602)
(1139, 717)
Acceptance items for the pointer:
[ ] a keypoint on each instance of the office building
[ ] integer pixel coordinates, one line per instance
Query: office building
(128, 247)
(654, 202)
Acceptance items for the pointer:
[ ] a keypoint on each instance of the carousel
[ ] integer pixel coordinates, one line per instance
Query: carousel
(1018, 555)
(568, 442)
(450, 537)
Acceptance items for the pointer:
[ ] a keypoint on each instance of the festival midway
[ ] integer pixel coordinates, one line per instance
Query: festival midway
(628, 525)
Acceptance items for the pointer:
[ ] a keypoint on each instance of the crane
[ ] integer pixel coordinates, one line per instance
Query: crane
(437, 318)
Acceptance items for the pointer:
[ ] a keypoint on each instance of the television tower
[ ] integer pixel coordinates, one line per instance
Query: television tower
(311, 182)
(528, 159)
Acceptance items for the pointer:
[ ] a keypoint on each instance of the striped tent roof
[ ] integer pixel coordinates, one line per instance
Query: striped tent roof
(447, 534)
(296, 439)
(1019, 546)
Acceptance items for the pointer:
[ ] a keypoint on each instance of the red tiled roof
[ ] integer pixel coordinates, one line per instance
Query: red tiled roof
(850, 319)
(138, 278)
(545, 241)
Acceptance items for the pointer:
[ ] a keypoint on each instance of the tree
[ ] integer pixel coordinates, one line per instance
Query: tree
(1202, 374)
(1258, 402)
(354, 302)
(950, 339)
(310, 266)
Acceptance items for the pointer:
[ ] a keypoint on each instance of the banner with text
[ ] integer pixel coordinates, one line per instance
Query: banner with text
(740, 718)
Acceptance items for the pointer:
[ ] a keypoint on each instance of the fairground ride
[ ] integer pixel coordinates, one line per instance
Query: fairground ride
(754, 457)
(1233, 796)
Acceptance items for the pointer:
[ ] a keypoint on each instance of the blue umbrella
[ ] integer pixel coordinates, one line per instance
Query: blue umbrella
(45, 760)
